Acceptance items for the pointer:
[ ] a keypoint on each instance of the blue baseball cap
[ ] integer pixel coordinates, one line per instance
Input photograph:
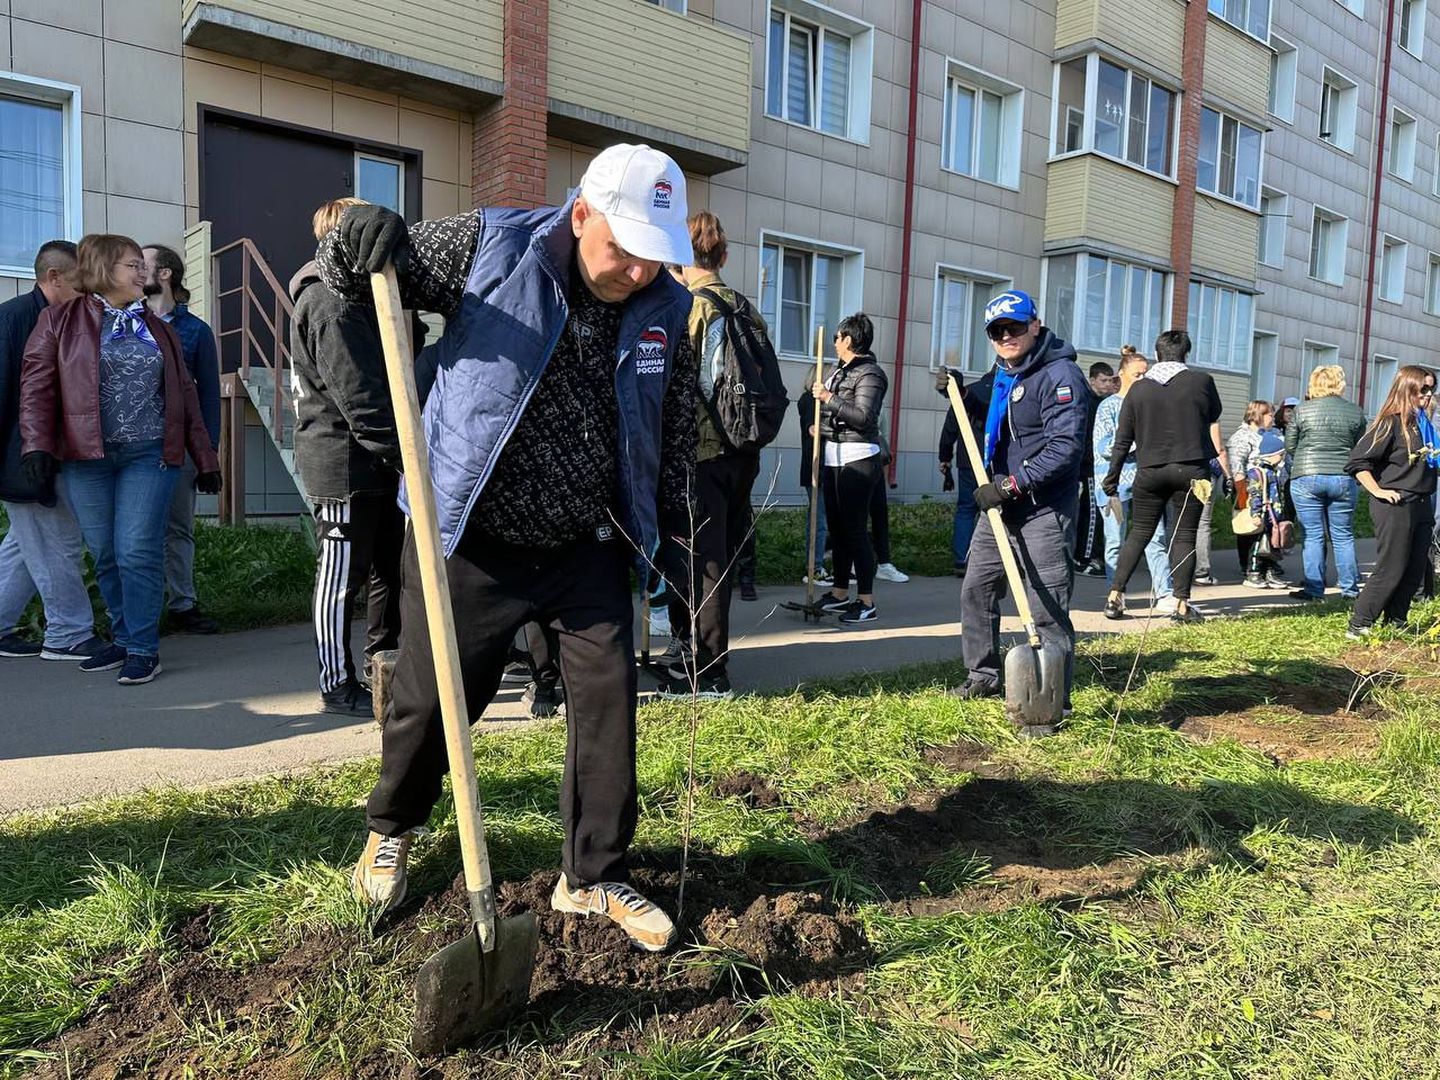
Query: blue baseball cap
(1014, 306)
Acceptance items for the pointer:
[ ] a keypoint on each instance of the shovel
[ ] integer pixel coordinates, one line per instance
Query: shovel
(1034, 677)
(477, 983)
(811, 609)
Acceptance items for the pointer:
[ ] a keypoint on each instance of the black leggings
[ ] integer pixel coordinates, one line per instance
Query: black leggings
(848, 490)
(1156, 485)
(880, 520)
(1402, 535)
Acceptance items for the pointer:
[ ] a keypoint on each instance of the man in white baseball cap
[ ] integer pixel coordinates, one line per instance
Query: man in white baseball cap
(563, 344)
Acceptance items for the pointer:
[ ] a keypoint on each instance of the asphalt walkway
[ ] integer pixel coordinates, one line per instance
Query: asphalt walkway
(243, 705)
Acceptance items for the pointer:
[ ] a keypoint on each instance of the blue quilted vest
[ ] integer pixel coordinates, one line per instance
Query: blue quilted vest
(496, 346)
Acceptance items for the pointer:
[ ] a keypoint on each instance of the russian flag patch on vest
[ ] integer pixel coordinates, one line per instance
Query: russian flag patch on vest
(1063, 395)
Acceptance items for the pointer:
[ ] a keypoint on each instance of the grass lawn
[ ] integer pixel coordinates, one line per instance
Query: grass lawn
(1235, 878)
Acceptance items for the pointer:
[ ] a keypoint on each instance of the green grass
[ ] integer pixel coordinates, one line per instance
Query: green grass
(1286, 925)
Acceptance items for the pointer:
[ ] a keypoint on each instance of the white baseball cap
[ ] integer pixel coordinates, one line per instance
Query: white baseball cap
(641, 192)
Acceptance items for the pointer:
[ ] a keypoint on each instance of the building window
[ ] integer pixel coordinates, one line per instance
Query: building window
(1222, 327)
(1274, 223)
(958, 337)
(1283, 64)
(1338, 97)
(1316, 354)
(1266, 353)
(1432, 285)
(982, 135)
(677, 6)
(818, 69)
(1412, 26)
(1104, 108)
(1355, 7)
(1251, 16)
(1099, 303)
(380, 180)
(1328, 234)
(1435, 179)
(1230, 155)
(1394, 254)
(805, 287)
(39, 168)
(1403, 134)
(1382, 375)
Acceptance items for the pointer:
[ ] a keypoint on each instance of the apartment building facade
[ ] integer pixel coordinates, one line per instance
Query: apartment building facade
(1121, 159)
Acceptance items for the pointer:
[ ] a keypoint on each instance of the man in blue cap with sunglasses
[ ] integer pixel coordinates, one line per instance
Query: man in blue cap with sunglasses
(1034, 449)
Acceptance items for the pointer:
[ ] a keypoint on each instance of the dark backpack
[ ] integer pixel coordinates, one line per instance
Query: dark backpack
(748, 401)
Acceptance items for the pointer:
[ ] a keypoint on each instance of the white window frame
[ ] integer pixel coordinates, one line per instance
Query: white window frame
(1087, 122)
(1347, 90)
(67, 96)
(677, 6)
(1284, 65)
(1320, 214)
(1419, 12)
(992, 282)
(1012, 122)
(1273, 235)
(1404, 138)
(851, 295)
(1262, 382)
(862, 64)
(1215, 192)
(1386, 288)
(399, 164)
(1243, 26)
(1078, 330)
(1238, 332)
(1378, 387)
(1308, 363)
(1432, 284)
(1355, 7)
(1435, 178)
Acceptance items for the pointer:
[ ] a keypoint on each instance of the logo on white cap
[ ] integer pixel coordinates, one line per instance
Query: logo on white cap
(641, 192)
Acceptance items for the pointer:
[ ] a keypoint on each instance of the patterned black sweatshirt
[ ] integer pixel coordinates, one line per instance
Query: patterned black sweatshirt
(556, 480)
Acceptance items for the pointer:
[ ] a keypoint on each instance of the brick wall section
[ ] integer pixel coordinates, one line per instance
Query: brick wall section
(1182, 228)
(508, 152)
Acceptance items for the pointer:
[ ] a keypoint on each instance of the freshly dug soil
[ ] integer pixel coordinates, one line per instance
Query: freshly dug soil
(1286, 733)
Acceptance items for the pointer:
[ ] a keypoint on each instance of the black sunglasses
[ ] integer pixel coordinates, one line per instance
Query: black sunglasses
(1000, 331)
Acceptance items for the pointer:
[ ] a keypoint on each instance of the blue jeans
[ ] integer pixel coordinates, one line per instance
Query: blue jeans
(122, 502)
(1156, 557)
(1327, 504)
(966, 514)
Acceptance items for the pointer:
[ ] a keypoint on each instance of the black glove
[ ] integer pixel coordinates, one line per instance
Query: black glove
(39, 469)
(997, 492)
(1110, 487)
(948, 484)
(376, 235)
(208, 483)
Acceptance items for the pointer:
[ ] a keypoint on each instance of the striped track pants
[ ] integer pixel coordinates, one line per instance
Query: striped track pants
(359, 540)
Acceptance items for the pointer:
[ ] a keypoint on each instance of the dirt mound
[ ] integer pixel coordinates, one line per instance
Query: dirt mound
(754, 791)
(1286, 733)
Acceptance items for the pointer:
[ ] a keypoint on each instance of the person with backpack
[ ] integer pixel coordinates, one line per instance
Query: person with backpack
(1256, 453)
(740, 404)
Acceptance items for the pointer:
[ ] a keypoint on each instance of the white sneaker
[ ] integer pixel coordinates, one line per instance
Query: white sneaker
(646, 925)
(1167, 605)
(886, 572)
(660, 622)
(823, 580)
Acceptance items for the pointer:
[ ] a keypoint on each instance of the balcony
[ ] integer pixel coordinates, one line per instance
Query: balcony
(632, 70)
(447, 53)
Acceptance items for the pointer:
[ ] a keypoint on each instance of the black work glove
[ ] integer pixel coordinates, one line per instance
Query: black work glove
(997, 493)
(39, 469)
(948, 484)
(208, 483)
(376, 235)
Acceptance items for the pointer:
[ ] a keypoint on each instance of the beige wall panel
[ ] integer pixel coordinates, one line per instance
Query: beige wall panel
(221, 86)
(1153, 30)
(367, 119)
(295, 103)
(1226, 238)
(436, 139)
(1065, 196)
(62, 55)
(466, 35)
(1129, 208)
(1237, 67)
(438, 199)
(1075, 20)
(1234, 391)
(151, 23)
(589, 37)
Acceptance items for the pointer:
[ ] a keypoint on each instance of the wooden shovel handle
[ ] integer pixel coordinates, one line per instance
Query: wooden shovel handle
(811, 569)
(1002, 539)
(439, 618)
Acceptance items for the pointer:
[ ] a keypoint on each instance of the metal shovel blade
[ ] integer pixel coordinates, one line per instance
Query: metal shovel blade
(1034, 688)
(463, 991)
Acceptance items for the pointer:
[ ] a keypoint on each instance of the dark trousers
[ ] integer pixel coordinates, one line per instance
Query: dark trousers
(359, 541)
(1402, 535)
(1041, 542)
(1089, 528)
(1251, 562)
(1155, 487)
(880, 520)
(722, 518)
(582, 593)
(542, 646)
(848, 490)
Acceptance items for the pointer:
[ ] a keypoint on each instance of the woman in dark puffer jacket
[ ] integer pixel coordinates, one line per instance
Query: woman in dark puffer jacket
(850, 400)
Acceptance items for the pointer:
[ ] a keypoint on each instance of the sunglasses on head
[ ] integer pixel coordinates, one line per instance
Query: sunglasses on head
(1001, 330)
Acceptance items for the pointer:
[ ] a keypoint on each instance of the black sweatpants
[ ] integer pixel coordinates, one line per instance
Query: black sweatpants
(722, 518)
(1155, 486)
(1402, 535)
(542, 646)
(359, 542)
(880, 520)
(581, 592)
(848, 490)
